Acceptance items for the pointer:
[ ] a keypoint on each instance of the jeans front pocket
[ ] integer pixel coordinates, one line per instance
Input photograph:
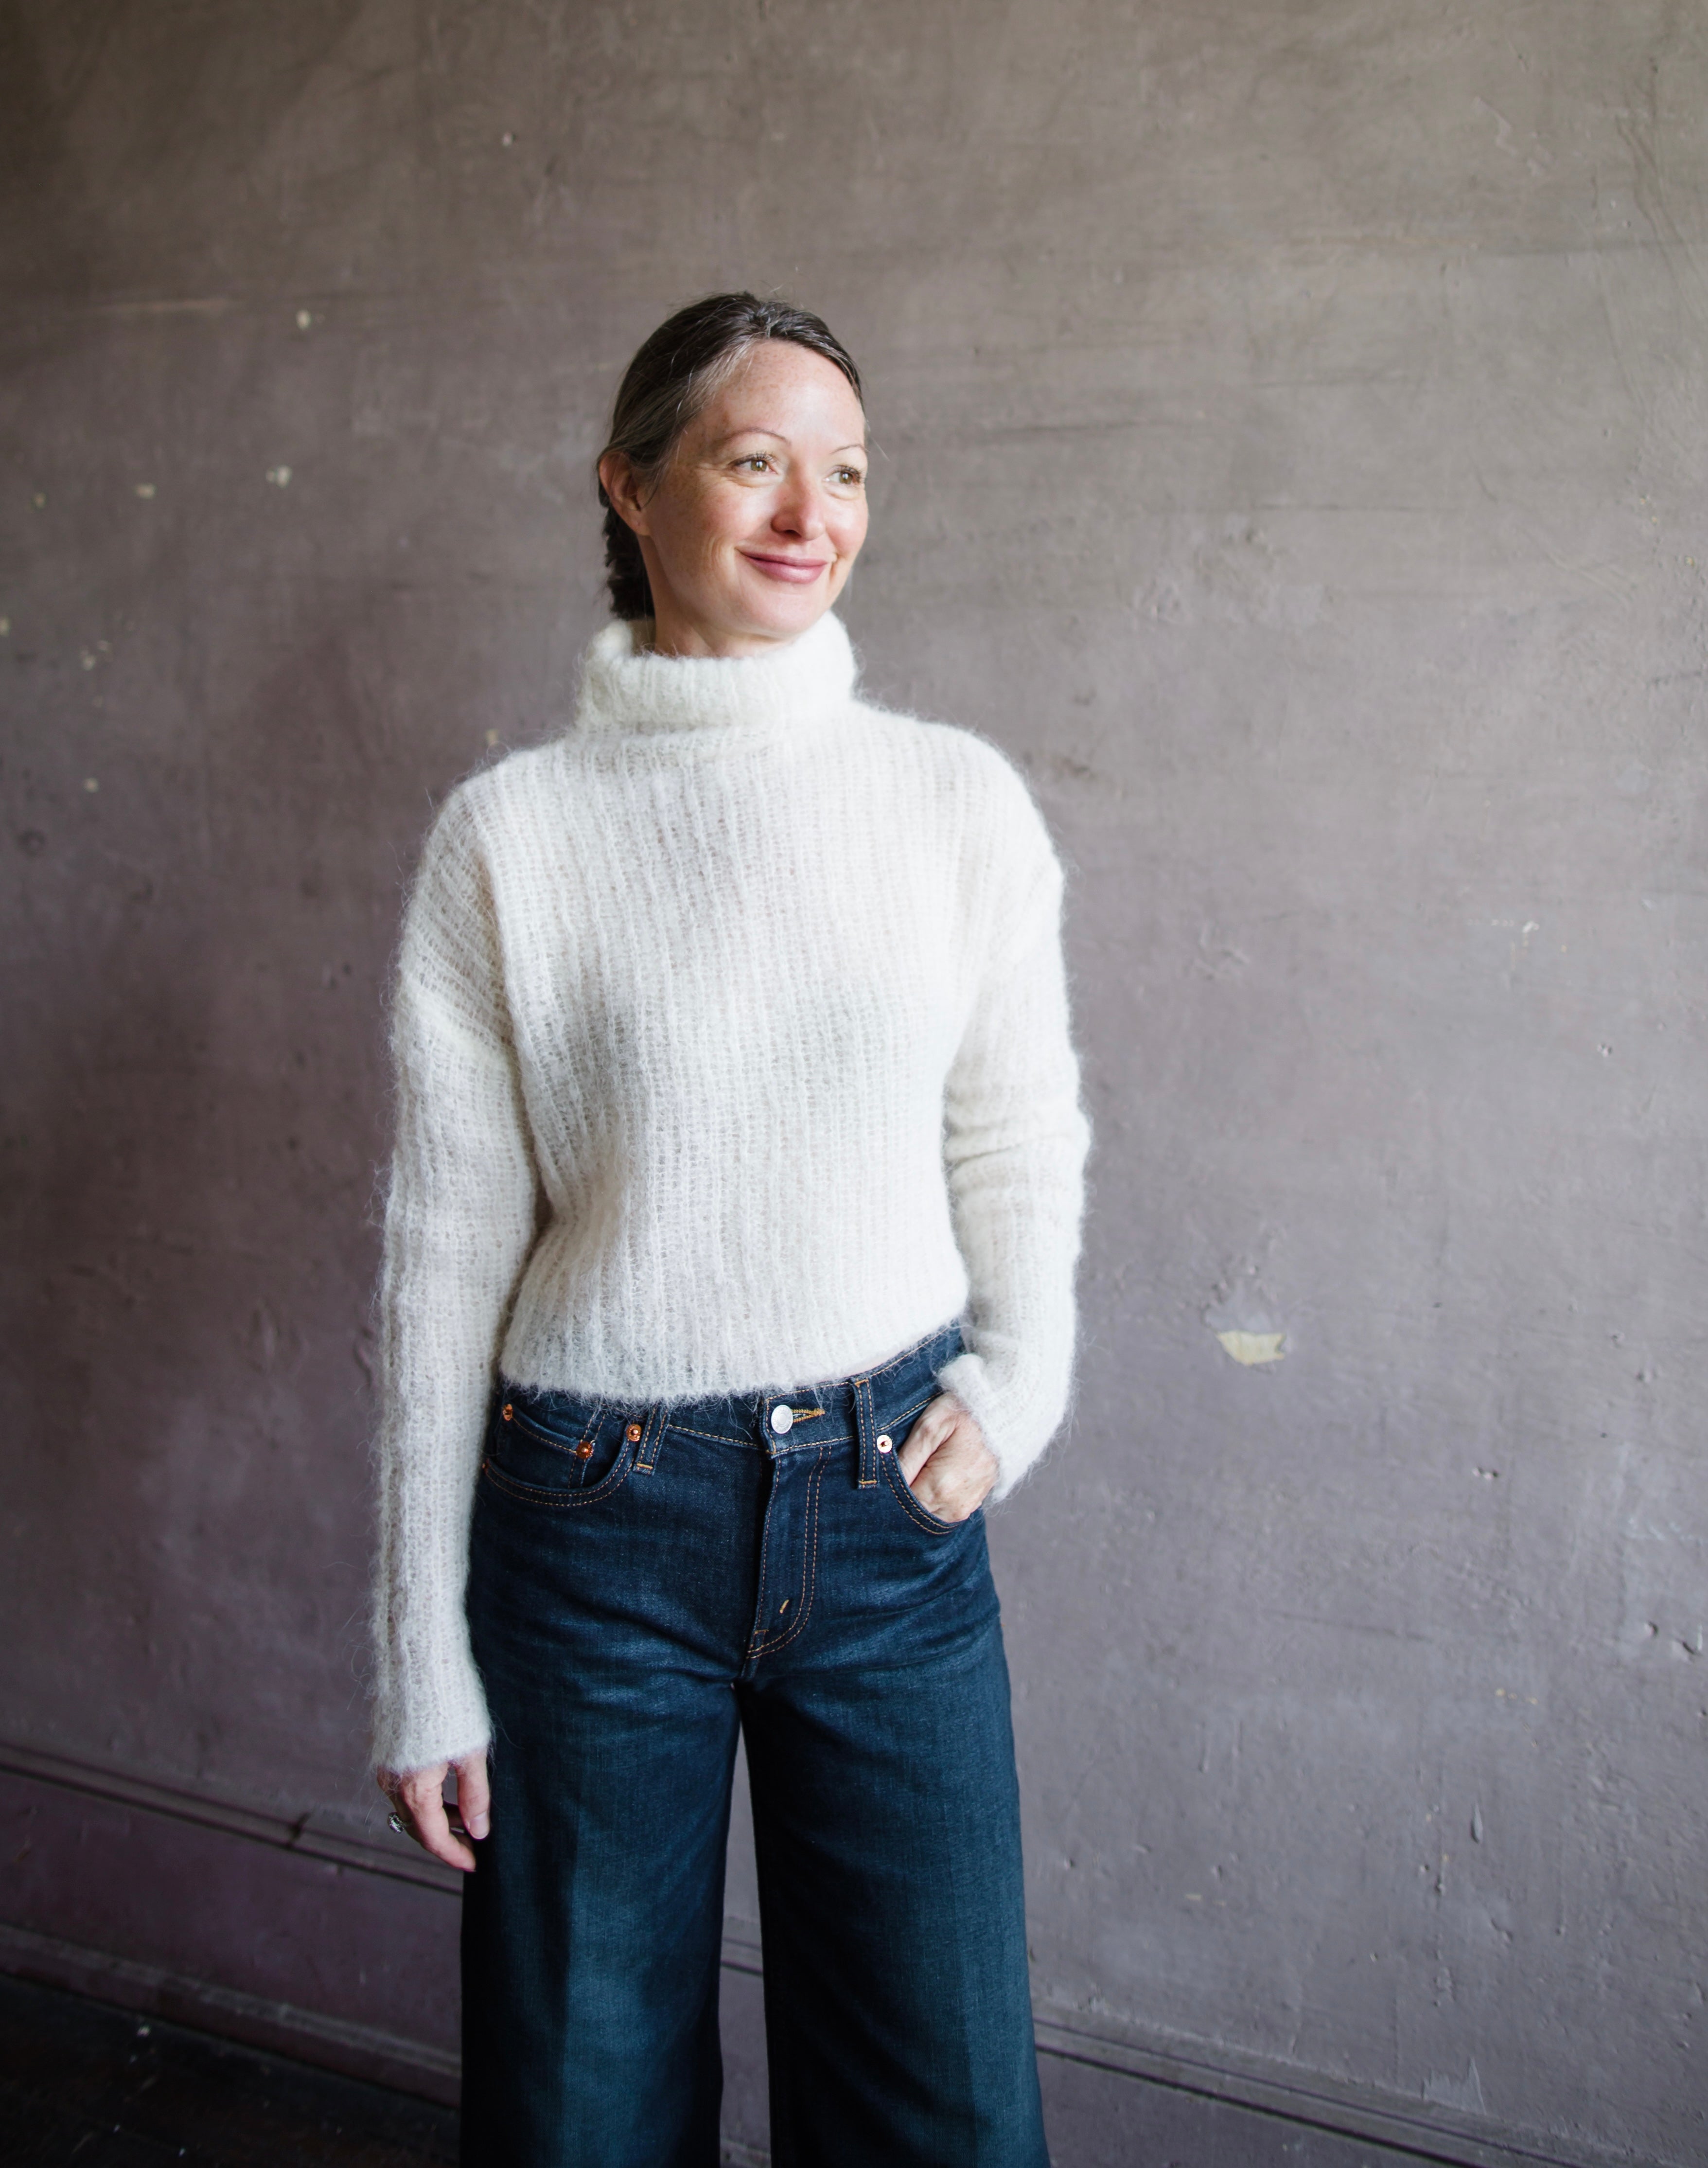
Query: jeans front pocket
(558, 1454)
(920, 1514)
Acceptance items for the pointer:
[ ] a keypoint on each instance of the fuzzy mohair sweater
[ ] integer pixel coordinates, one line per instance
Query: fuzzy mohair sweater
(732, 1053)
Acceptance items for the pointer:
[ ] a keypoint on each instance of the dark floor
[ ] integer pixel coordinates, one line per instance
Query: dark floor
(84, 2083)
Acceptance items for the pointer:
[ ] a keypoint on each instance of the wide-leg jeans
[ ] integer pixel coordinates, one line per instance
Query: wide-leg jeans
(644, 1582)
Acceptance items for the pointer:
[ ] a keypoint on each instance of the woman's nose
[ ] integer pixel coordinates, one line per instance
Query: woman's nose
(800, 511)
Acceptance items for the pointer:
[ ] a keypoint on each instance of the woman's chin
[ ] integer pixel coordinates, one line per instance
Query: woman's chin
(760, 613)
(796, 623)
(783, 610)
(770, 619)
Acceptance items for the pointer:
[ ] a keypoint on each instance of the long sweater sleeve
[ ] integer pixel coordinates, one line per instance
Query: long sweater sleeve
(459, 1221)
(1015, 1144)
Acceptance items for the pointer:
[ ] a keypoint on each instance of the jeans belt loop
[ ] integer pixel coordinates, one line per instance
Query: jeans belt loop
(866, 1425)
(646, 1453)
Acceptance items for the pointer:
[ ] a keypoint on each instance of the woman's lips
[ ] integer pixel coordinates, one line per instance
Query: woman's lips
(793, 571)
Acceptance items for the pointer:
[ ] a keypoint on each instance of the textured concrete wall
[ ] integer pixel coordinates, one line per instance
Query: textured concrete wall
(1291, 418)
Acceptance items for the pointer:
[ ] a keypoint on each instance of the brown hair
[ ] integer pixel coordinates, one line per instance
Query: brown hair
(669, 382)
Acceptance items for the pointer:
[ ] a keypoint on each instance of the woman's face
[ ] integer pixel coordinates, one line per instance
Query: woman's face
(750, 532)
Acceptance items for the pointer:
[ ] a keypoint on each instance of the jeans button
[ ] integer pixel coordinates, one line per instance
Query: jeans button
(884, 1442)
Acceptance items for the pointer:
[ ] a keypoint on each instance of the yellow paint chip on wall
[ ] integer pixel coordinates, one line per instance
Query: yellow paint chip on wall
(1251, 1348)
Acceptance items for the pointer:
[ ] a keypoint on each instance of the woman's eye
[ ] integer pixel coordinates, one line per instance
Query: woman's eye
(756, 461)
(852, 477)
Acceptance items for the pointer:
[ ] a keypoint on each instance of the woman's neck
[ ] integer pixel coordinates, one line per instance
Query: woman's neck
(682, 638)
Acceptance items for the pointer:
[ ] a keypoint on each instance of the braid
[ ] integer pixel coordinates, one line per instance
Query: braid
(625, 568)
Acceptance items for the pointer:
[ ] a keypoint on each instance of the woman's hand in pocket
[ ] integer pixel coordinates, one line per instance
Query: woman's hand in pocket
(417, 1798)
(948, 1466)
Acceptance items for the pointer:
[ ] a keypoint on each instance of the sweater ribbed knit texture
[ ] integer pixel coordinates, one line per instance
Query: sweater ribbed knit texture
(732, 1053)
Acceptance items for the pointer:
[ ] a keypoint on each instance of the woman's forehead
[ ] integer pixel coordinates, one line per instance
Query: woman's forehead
(787, 391)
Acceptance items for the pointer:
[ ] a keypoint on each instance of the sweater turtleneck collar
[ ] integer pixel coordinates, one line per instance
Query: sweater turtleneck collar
(699, 704)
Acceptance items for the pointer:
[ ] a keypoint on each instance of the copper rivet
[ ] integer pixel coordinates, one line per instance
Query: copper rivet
(884, 1443)
(508, 1412)
(584, 1451)
(635, 1433)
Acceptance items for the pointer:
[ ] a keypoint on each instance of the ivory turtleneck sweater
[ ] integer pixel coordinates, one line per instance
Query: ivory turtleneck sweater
(732, 1052)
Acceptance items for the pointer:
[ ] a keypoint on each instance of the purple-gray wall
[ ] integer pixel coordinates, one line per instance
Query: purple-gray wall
(1292, 428)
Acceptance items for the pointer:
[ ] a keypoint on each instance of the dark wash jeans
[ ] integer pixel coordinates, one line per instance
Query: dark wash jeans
(643, 1581)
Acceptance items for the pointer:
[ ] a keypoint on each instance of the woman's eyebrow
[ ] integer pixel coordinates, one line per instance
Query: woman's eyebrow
(776, 436)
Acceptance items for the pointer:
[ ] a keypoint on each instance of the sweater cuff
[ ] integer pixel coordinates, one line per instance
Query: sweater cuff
(432, 1720)
(1010, 1404)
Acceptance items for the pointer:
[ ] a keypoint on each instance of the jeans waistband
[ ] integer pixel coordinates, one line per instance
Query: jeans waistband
(855, 1411)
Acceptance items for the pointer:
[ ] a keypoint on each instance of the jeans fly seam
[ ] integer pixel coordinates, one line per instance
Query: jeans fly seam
(756, 1640)
(769, 1647)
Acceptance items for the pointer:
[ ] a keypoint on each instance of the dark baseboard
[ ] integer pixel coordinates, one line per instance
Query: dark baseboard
(280, 2028)
(337, 1839)
(1316, 2104)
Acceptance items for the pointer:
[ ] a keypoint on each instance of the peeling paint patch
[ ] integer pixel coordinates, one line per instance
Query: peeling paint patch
(1246, 1317)
(280, 477)
(303, 320)
(1442, 2092)
(1250, 1347)
(145, 490)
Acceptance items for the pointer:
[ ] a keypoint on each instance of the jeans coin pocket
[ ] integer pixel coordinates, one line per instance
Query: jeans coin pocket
(567, 1458)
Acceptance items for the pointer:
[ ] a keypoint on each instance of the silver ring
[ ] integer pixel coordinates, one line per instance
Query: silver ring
(396, 1822)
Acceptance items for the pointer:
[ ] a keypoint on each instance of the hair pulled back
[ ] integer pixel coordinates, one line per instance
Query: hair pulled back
(667, 385)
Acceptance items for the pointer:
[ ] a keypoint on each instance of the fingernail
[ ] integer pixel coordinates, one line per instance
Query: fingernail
(478, 1825)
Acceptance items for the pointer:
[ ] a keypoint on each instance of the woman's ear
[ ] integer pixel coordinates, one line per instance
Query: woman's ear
(621, 485)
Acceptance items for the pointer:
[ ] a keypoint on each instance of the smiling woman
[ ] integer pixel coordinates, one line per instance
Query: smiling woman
(729, 1253)
(749, 532)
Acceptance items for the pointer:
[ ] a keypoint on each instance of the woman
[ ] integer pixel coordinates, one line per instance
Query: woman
(729, 1250)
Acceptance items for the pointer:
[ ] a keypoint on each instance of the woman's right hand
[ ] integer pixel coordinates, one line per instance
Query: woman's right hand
(417, 1798)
